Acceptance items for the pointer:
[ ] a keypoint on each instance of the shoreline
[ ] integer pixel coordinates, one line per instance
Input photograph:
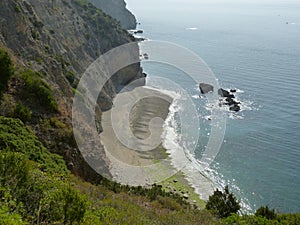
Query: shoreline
(136, 109)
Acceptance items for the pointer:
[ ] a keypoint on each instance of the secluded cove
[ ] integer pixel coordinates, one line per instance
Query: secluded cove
(129, 166)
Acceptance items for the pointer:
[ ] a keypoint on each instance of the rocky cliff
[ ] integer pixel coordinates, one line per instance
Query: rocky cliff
(117, 9)
(58, 40)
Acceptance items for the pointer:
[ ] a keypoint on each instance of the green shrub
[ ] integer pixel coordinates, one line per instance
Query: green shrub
(6, 70)
(7, 217)
(7, 105)
(289, 219)
(16, 137)
(35, 34)
(265, 212)
(70, 75)
(168, 203)
(17, 8)
(65, 205)
(222, 204)
(22, 112)
(37, 87)
(20, 193)
(14, 172)
(235, 219)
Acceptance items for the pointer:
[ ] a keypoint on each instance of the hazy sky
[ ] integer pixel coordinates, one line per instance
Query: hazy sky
(135, 4)
(165, 9)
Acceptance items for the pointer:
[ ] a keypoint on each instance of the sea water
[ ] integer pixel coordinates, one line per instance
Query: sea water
(253, 47)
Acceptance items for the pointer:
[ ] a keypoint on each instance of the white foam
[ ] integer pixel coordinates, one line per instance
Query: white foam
(183, 160)
(202, 178)
(239, 90)
(245, 105)
(196, 96)
(192, 28)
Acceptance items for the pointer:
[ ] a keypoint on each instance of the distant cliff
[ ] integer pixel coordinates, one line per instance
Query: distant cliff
(57, 40)
(117, 9)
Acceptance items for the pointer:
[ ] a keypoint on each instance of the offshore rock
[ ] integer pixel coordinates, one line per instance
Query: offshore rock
(206, 88)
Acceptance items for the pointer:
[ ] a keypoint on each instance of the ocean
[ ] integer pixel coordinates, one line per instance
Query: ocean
(253, 47)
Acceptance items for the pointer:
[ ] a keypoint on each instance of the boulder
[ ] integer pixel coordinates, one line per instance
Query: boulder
(224, 93)
(206, 88)
(230, 101)
(138, 32)
(235, 108)
(232, 90)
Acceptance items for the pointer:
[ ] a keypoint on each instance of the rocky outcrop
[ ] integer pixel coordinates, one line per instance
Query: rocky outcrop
(117, 9)
(228, 97)
(225, 94)
(206, 88)
(60, 39)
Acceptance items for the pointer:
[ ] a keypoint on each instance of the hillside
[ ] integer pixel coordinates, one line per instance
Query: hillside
(58, 40)
(45, 47)
(117, 9)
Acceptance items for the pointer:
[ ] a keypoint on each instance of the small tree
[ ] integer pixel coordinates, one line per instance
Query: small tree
(265, 212)
(6, 70)
(66, 206)
(222, 204)
(22, 112)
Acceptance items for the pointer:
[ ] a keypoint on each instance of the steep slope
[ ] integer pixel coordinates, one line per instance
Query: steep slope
(117, 9)
(57, 40)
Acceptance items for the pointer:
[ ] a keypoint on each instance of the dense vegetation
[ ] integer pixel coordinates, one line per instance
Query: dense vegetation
(36, 88)
(6, 70)
(222, 204)
(37, 188)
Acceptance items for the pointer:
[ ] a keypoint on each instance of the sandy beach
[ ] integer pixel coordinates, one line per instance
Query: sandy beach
(132, 136)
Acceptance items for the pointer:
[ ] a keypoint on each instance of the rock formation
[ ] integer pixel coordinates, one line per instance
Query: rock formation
(229, 96)
(117, 9)
(206, 88)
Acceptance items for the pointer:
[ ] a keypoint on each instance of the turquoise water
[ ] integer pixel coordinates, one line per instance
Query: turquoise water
(254, 47)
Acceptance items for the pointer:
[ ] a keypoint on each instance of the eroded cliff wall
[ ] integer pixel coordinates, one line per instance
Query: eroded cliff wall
(117, 9)
(59, 39)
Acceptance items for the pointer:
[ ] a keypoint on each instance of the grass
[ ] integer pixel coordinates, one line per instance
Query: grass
(182, 185)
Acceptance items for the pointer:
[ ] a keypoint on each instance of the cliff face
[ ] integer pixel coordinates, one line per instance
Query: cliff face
(60, 39)
(117, 9)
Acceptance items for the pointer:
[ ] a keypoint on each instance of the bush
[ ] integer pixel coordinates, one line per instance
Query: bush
(168, 203)
(6, 70)
(16, 137)
(265, 212)
(222, 204)
(6, 216)
(235, 219)
(7, 105)
(64, 206)
(36, 86)
(22, 112)
(14, 172)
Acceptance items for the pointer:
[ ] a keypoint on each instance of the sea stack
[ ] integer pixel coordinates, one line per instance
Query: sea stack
(206, 88)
